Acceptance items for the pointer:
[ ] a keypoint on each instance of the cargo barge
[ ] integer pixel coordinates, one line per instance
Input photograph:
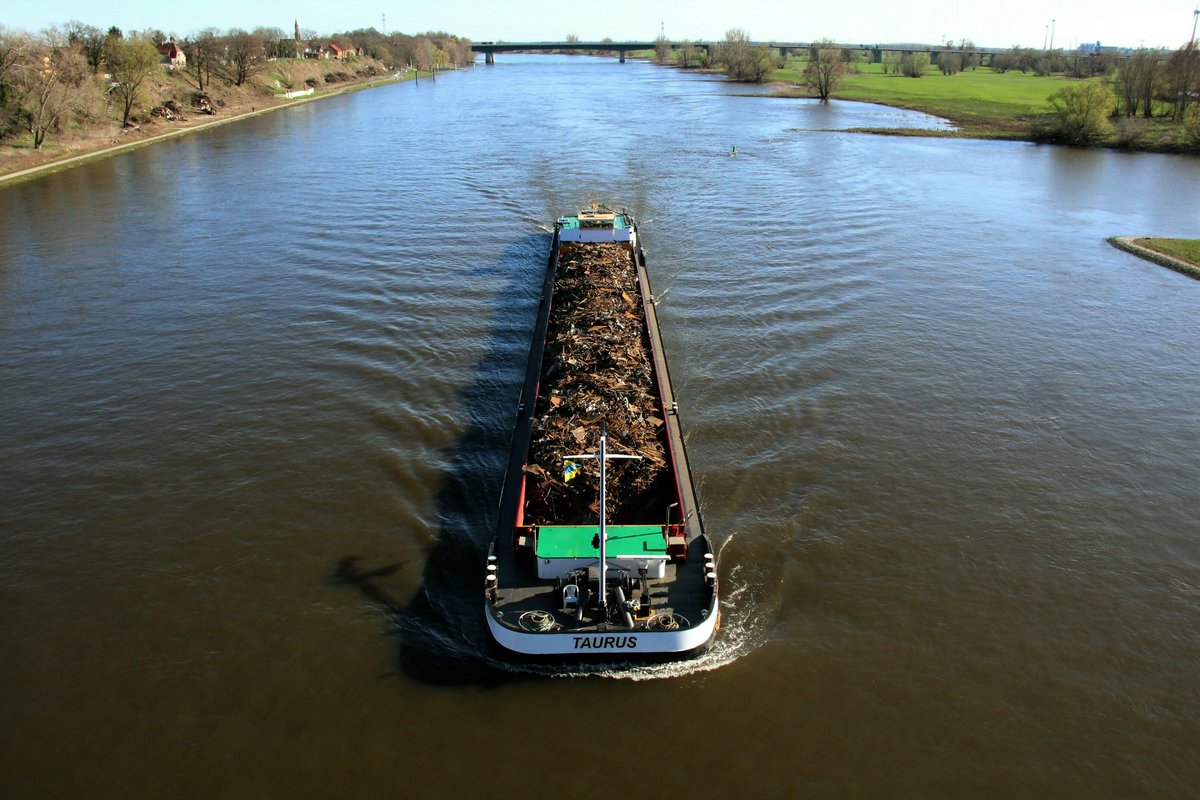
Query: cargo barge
(599, 549)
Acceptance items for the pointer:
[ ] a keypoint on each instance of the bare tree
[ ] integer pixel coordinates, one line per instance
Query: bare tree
(243, 56)
(1126, 83)
(13, 47)
(688, 56)
(742, 59)
(662, 49)
(734, 47)
(274, 43)
(1182, 75)
(47, 82)
(130, 62)
(1138, 80)
(90, 41)
(202, 50)
(827, 63)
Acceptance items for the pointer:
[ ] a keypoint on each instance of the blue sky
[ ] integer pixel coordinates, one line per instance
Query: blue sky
(999, 23)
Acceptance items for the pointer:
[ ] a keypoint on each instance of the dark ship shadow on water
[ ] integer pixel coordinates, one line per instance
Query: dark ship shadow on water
(443, 638)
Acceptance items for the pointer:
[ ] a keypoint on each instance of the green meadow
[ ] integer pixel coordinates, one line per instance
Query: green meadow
(979, 101)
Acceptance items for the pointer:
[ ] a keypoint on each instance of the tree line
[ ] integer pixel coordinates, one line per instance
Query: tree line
(79, 74)
(736, 55)
(1148, 83)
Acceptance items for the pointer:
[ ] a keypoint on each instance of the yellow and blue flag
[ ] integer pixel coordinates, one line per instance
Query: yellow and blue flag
(570, 470)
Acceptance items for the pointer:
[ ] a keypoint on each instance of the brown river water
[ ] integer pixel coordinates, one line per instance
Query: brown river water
(255, 394)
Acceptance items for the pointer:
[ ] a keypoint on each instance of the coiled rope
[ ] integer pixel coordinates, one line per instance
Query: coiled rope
(667, 622)
(536, 621)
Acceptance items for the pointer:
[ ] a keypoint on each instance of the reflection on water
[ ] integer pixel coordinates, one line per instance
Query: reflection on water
(257, 390)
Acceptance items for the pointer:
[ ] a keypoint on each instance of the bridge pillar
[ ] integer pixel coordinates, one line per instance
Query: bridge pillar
(489, 58)
(783, 52)
(622, 56)
(877, 56)
(933, 57)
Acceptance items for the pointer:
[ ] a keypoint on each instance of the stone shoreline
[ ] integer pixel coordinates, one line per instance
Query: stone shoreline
(1129, 245)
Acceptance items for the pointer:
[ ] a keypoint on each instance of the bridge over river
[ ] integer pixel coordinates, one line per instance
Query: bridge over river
(489, 49)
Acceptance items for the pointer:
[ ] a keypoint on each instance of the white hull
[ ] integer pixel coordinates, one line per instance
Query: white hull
(616, 642)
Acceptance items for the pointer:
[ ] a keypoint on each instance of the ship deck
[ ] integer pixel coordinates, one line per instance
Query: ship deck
(677, 592)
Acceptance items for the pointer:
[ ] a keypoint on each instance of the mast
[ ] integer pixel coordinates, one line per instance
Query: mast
(603, 456)
(603, 513)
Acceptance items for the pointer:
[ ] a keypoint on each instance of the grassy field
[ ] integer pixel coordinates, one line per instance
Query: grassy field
(983, 103)
(1184, 249)
(980, 101)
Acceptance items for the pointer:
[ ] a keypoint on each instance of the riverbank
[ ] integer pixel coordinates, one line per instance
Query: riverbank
(81, 146)
(980, 103)
(983, 104)
(1181, 255)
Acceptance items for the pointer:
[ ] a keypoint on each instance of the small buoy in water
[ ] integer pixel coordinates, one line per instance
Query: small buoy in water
(733, 152)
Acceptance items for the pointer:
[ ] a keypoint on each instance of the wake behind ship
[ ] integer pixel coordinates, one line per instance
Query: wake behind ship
(599, 549)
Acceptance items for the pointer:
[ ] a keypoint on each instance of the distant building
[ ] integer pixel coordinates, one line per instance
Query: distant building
(172, 56)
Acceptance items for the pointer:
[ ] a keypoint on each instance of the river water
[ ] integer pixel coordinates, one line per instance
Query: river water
(256, 391)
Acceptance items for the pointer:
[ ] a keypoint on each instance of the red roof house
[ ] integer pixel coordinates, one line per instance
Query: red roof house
(173, 57)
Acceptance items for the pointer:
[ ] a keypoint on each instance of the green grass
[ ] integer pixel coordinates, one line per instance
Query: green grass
(1184, 249)
(980, 101)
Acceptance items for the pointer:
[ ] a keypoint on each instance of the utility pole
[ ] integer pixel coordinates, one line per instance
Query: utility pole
(1052, 25)
(385, 24)
(1195, 16)
(1045, 37)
